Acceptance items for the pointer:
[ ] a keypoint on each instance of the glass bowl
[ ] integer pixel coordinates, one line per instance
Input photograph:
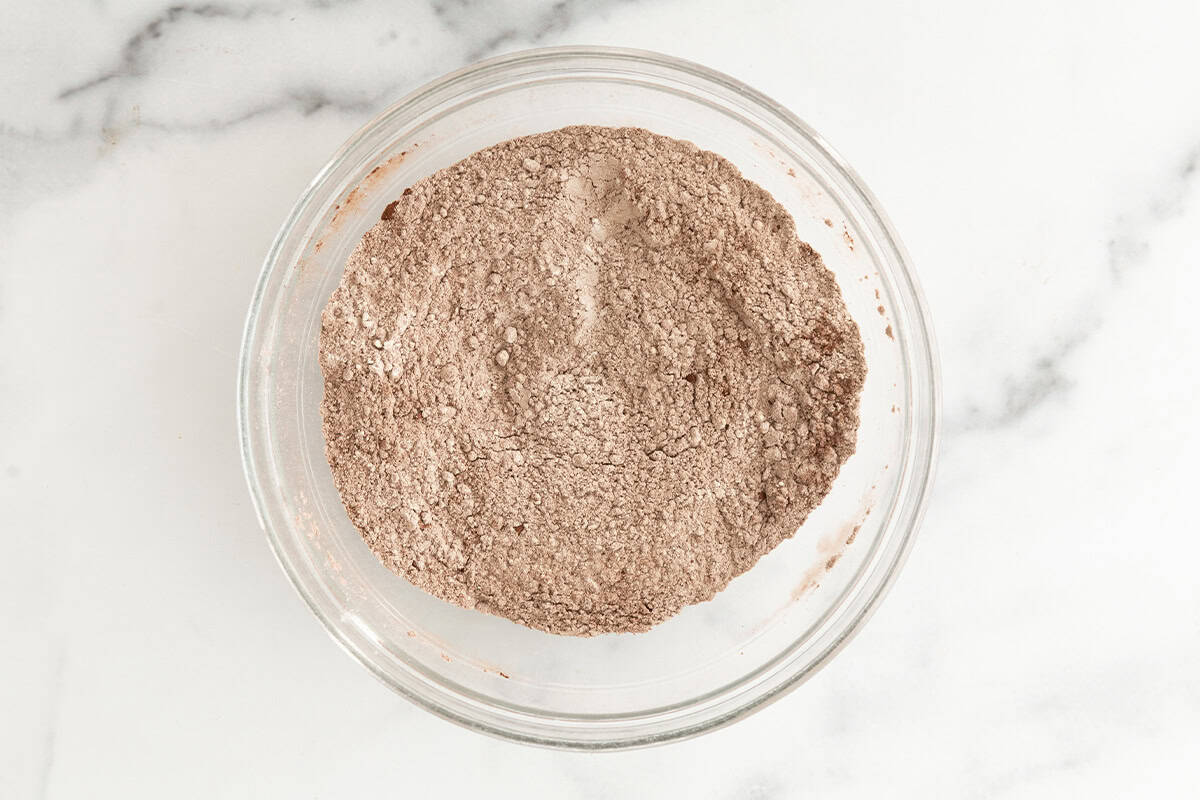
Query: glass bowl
(716, 661)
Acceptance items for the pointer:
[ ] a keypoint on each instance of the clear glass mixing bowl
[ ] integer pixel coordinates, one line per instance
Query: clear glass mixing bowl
(717, 661)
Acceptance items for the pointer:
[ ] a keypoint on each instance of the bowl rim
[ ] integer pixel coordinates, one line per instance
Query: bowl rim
(918, 334)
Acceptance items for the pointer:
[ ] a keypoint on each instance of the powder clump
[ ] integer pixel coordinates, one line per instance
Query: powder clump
(585, 378)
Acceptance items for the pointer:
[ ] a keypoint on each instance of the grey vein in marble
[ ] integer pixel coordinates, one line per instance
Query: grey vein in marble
(1045, 378)
(483, 29)
(458, 14)
(1043, 381)
(53, 707)
(1130, 246)
(130, 62)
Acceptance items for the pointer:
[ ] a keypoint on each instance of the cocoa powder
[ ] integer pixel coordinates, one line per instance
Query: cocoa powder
(583, 379)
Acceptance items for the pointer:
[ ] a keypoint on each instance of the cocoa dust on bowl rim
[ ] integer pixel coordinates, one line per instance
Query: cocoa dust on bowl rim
(713, 663)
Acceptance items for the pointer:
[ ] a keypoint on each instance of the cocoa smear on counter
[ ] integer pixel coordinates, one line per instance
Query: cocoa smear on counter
(583, 379)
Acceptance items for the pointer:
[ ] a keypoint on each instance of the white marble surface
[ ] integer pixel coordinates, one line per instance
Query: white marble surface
(1041, 160)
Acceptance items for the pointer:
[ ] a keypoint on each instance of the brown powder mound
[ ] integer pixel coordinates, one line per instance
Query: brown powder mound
(583, 379)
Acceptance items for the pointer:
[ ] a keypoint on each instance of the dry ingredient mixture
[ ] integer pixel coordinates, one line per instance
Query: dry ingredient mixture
(583, 379)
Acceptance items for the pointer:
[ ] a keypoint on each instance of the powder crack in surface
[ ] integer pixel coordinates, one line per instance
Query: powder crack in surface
(585, 378)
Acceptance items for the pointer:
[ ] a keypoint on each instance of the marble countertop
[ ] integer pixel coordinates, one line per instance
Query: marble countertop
(1041, 161)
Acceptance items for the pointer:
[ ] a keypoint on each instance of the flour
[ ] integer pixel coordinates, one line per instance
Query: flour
(583, 379)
